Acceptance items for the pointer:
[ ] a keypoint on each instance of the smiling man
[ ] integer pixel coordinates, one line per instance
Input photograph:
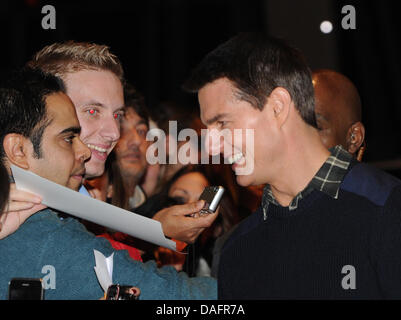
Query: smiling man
(328, 226)
(39, 132)
(127, 163)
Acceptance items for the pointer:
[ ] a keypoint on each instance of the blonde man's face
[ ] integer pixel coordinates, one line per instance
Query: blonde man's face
(99, 101)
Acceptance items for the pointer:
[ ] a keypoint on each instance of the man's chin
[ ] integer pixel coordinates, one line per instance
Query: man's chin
(93, 169)
(74, 187)
(133, 169)
(244, 180)
(74, 184)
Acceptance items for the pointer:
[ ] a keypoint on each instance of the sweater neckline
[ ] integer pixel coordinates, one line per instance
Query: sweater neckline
(277, 211)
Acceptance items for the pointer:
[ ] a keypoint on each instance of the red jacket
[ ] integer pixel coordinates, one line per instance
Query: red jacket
(133, 252)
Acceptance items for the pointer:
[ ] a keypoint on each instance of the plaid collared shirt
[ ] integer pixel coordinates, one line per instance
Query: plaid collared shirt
(327, 180)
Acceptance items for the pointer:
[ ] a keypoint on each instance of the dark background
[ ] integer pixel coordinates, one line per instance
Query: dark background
(159, 41)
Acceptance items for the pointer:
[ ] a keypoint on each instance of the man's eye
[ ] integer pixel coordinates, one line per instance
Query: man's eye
(118, 116)
(92, 112)
(221, 123)
(142, 131)
(69, 139)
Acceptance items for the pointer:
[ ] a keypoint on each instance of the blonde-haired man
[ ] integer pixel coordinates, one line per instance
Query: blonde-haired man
(93, 79)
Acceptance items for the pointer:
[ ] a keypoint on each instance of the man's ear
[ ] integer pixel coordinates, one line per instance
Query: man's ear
(15, 148)
(355, 137)
(280, 101)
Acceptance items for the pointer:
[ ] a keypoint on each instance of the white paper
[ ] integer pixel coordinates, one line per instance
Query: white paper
(81, 206)
(104, 269)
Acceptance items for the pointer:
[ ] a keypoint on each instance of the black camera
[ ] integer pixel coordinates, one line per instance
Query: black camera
(25, 289)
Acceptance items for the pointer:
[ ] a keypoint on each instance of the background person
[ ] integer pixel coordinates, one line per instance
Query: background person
(170, 114)
(338, 112)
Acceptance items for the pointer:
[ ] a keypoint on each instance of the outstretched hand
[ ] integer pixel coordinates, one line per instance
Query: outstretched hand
(179, 225)
(21, 205)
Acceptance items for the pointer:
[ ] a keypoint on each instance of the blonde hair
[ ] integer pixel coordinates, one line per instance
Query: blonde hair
(68, 57)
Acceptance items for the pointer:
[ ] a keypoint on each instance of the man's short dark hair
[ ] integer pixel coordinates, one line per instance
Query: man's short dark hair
(23, 105)
(256, 64)
(135, 100)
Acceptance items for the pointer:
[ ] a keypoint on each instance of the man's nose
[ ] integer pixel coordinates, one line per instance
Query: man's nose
(82, 152)
(134, 139)
(213, 142)
(110, 129)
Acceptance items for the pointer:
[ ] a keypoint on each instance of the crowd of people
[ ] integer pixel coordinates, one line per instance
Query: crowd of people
(309, 207)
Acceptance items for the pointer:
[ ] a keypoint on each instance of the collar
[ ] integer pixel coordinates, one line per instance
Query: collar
(328, 179)
(137, 199)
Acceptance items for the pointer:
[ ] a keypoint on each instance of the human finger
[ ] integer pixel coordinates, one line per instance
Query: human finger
(188, 208)
(24, 196)
(19, 205)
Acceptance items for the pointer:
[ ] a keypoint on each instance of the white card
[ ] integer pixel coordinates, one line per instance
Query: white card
(104, 269)
(81, 206)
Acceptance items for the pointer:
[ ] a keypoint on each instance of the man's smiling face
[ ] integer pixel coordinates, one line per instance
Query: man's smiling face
(222, 111)
(99, 102)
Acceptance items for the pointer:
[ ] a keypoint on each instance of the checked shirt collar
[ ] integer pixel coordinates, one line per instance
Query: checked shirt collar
(327, 180)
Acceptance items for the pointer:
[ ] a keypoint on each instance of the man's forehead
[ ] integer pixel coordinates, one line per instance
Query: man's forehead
(60, 102)
(60, 109)
(327, 98)
(214, 100)
(99, 87)
(323, 104)
(326, 108)
(131, 116)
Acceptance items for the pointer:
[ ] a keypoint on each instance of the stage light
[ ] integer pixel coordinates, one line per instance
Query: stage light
(326, 27)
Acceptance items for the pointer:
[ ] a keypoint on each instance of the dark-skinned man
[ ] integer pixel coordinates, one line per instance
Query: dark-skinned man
(338, 111)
